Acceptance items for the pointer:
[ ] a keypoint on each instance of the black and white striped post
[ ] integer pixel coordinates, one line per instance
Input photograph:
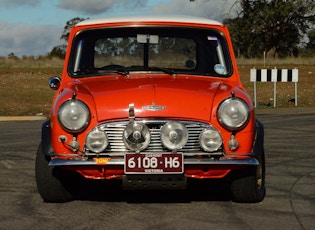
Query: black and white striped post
(274, 75)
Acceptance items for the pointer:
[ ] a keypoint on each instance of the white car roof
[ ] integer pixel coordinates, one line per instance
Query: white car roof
(151, 18)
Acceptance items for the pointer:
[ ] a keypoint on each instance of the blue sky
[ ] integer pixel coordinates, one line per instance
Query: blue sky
(34, 27)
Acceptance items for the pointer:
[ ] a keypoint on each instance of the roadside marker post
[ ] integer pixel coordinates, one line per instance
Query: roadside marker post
(274, 75)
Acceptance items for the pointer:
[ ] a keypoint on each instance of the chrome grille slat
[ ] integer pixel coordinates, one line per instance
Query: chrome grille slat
(114, 131)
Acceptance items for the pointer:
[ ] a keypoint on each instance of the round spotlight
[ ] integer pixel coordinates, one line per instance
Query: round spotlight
(96, 141)
(174, 135)
(136, 136)
(210, 140)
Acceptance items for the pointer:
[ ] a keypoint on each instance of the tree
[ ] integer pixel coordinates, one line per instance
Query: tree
(60, 50)
(12, 56)
(265, 25)
(311, 44)
(67, 28)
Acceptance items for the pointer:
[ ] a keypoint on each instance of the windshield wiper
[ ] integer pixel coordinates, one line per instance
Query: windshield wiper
(164, 70)
(151, 68)
(122, 70)
(85, 72)
(114, 71)
(97, 72)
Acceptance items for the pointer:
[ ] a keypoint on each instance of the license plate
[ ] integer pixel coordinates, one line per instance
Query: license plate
(154, 163)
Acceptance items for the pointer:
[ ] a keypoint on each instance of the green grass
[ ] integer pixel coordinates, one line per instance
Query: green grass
(24, 86)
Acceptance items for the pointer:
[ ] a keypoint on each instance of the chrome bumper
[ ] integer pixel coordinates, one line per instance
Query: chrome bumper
(189, 161)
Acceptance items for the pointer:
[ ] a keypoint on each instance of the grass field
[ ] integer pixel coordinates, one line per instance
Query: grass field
(24, 89)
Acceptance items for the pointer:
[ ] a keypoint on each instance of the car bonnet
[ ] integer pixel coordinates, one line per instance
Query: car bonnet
(173, 97)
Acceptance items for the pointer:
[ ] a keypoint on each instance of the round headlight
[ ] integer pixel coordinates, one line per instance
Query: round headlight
(233, 114)
(210, 140)
(74, 116)
(174, 135)
(96, 141)
(136, 136)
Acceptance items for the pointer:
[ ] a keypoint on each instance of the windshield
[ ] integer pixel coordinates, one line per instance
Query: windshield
(171, 50)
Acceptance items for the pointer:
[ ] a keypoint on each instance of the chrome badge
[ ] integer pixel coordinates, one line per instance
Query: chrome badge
(153, 107)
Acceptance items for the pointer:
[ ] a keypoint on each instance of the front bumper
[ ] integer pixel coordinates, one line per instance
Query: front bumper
(192, 167)
(190, 161)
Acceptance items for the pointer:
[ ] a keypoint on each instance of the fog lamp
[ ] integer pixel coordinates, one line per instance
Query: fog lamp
(96, 141)
(210, 140)
(174, 135)
(136, 136)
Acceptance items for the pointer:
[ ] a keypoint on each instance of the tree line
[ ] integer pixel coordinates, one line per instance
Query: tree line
(276, 28)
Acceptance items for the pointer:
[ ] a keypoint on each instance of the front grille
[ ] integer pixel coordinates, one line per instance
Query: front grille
(114, 131)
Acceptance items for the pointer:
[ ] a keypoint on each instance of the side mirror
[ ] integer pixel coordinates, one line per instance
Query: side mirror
(54, 82)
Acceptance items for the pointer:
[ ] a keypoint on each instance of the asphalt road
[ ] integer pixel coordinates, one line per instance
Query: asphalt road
(289, 203)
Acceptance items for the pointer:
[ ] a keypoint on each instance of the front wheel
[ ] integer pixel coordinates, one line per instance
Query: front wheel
(48, 179)
(248, 186)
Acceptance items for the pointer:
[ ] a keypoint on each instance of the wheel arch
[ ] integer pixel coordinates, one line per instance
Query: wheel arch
(46, 139)
(258, 146)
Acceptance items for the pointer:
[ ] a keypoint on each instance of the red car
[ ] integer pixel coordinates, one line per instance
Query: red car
(152, 101)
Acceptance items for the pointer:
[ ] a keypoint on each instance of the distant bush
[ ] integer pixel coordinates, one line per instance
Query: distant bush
(31, 61)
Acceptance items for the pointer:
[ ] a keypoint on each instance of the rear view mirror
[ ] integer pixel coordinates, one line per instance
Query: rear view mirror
(147, 38)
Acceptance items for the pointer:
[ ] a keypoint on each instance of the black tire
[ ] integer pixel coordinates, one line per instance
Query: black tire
(248, 186)
(48, 179)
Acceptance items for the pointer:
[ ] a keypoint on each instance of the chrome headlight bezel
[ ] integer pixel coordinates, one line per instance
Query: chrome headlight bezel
(233, 114)
(74, 116)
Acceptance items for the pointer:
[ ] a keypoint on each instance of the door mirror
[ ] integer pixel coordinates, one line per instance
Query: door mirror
(54, 82)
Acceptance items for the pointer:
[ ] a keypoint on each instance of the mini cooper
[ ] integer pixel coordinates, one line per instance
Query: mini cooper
(154, 102)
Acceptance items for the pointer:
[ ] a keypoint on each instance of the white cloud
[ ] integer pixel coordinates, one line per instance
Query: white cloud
(23, 39)
(92, 6)
(19, 2)
(99, 6)
(27, 39)
(213, 9)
